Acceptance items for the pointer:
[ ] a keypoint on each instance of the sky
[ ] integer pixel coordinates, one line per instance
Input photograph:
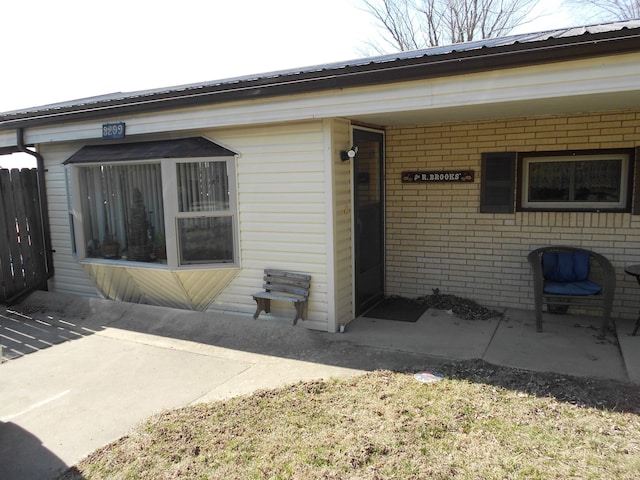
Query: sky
(59, 50)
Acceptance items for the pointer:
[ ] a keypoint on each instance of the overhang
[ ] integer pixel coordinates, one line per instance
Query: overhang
(472, 57)
(193, 147)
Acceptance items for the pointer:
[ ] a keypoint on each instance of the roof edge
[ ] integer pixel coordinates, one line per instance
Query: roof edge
(507, 52)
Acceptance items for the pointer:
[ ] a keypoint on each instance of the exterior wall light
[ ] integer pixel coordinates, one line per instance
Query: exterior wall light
(348, 154)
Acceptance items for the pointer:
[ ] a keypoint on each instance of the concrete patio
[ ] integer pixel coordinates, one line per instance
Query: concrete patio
(82, 372)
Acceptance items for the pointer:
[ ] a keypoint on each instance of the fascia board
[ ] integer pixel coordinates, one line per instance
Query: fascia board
(618, 73)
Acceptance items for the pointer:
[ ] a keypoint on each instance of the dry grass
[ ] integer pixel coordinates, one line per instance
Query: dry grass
(481, 422)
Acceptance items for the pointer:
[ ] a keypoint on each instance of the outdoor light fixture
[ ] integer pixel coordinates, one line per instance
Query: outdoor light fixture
(348, 154)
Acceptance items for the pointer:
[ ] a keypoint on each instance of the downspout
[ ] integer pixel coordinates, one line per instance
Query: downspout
(43, 205)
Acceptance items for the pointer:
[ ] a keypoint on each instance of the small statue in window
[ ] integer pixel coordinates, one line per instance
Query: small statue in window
(139, 245)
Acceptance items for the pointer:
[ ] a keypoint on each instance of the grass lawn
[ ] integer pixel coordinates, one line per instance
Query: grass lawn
(480, 422)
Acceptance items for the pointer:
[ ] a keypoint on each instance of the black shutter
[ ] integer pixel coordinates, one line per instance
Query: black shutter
(635, 206)
(497, 190)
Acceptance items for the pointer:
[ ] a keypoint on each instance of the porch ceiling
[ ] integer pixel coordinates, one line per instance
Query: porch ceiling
(574, 104)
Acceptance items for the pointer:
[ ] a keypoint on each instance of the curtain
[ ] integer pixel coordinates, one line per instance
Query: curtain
(110, 209)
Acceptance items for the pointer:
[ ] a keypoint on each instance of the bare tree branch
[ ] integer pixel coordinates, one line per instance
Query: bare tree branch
(610, 9)
(412, 24)
(397, 18)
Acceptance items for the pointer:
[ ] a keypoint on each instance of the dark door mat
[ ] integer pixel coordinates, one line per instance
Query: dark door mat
(397, 308)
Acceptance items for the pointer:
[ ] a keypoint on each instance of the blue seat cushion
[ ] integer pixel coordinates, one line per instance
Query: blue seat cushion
(584, 287)
(565, 266)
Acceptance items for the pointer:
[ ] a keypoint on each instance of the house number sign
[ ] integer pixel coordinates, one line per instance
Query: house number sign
(433, 177)
(111, 131)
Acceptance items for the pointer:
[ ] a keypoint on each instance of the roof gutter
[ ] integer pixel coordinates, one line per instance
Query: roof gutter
(44, 214)
(417, 68)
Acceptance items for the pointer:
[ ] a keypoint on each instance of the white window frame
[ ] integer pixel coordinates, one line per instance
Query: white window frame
(621, 204)
(171, 214)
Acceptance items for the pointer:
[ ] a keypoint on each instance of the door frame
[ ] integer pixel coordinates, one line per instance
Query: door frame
(357, 308)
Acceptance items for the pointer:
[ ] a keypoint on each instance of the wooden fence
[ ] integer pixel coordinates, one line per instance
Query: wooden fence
(23, 262)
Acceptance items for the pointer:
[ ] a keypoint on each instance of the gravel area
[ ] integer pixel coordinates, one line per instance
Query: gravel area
(462, 307)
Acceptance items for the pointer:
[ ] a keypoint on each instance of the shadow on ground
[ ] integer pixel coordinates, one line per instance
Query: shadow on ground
(14, 438)
(118, 363)
(29, 328)
(45, 319)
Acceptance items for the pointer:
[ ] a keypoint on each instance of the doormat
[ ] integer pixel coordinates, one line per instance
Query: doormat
(397, 308)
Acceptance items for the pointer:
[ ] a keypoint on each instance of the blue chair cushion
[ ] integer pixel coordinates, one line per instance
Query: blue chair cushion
(565, 266)
(584, 287)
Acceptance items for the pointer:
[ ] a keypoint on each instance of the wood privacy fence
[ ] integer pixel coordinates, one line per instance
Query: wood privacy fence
(23, 263)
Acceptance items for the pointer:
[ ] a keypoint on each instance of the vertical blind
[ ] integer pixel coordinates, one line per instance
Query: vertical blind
(202, 186)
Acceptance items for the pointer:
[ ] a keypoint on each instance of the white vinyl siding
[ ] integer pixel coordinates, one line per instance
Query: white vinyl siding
(69, 277)
(188, 289)
(281, 211)
(342, 241)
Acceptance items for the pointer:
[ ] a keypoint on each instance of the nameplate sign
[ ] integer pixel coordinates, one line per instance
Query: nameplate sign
(438, 177)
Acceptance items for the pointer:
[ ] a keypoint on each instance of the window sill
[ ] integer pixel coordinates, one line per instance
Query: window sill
(155, 265)
(580, 210)
(122, 263)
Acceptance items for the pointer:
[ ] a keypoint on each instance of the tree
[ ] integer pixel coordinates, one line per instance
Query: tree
(610, 9)
(414, 24)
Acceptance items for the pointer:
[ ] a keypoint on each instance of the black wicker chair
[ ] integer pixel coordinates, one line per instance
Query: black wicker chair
(566, 276)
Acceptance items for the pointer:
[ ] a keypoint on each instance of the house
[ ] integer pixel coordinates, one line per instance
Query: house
(394, 175)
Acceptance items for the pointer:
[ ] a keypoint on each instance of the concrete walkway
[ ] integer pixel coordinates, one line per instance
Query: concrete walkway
(80, 372)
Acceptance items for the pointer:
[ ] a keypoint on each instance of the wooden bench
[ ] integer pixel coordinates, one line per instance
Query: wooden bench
(563, 276)
(284, 286)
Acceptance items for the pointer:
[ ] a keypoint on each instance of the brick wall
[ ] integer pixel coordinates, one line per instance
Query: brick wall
(436, 237)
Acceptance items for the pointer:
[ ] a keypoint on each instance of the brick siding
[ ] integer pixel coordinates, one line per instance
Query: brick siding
(436, 237)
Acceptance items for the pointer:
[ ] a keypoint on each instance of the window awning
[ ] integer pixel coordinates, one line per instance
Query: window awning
(193, 147)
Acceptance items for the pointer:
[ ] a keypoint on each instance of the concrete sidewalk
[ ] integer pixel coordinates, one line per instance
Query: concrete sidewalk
(62, 399)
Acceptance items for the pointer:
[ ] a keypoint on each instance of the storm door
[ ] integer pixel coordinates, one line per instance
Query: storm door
(369, 218)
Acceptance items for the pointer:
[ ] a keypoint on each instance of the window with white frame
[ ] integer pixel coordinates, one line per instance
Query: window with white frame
(121, 217)
(578, 181)
(204, 217)
(178, 212)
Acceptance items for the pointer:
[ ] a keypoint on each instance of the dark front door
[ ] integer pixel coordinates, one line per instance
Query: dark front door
(369, 218)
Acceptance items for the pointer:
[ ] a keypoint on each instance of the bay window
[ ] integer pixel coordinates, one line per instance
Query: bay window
(174, 211)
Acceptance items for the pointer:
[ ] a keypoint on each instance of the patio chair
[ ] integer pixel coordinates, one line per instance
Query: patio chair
(566, 276)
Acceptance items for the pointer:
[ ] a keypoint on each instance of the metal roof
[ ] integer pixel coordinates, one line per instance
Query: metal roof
(522, 49)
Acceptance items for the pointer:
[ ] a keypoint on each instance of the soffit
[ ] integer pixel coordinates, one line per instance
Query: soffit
(605, 102)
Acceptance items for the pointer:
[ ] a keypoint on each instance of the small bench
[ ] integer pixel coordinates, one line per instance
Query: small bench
(284, 286)
(562, 276)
